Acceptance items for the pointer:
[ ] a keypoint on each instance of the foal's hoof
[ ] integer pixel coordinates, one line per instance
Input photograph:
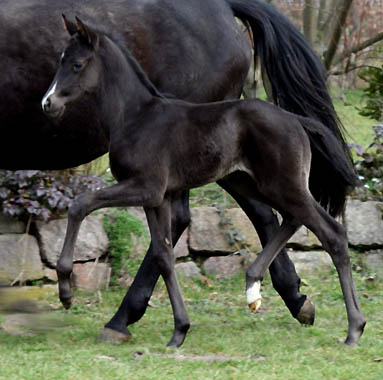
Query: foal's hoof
(108, 335)
(66, 302)
(354, 335)
(254, 306)
(306, 315)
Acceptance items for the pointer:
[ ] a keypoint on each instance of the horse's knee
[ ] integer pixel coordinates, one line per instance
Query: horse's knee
(164, 259)
(78, 210)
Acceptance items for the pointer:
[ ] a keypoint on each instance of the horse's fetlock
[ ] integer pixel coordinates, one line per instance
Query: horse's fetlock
(185, 327)
(182, 325)
(253, 276)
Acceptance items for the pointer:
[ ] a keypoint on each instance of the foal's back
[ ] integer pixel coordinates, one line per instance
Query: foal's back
(205, 143)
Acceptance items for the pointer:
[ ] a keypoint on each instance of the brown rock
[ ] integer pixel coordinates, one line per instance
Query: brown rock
(19, 258)
(10, 225)
(91, 276)
(304, 239)
(364, 223)
(214, 232)
(188, 270)
(92, 241)
(223, 266)
(182, 248)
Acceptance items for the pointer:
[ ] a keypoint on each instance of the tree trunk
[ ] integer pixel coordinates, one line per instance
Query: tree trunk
(343, 7)
(310, 12)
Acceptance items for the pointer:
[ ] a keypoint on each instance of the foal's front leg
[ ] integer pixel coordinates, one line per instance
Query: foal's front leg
(159, 220)
(123, 194)
(135, 302)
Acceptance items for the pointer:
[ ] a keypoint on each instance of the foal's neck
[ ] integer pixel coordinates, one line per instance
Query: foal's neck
(125, 95)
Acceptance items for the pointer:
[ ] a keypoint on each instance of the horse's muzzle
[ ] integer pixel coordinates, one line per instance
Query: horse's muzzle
(51, 109)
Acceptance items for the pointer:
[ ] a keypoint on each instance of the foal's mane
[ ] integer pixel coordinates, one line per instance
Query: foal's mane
(141, 74)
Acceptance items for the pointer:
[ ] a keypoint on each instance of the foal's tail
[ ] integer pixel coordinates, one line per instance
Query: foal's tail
(298, 84)
(331, 169)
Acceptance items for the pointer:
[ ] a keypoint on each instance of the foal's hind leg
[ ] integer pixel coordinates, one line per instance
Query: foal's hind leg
(283, 275)
(257, 270)
(334, 240)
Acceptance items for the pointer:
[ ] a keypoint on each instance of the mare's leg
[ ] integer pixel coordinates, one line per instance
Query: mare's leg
(136, 300)
(160, 231)
(283, 275)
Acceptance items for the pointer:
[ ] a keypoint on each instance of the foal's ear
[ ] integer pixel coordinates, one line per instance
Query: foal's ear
(87, 34)
(69, 26)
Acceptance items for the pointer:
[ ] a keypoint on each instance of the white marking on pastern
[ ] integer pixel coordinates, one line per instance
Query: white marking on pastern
(253, 294)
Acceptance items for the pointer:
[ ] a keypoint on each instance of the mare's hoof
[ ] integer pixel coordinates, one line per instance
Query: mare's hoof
(254, 306)
(66, 302)
(108, 335)
(306, 315)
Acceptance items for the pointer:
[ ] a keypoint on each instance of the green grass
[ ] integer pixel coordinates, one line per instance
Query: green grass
(267, 345)
(124, 231)
(359, 128)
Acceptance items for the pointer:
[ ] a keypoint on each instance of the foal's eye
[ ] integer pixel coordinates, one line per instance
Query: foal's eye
(77, 66)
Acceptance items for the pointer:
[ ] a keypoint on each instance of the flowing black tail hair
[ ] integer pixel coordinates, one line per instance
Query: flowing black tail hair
(328, 157)
(298, 84)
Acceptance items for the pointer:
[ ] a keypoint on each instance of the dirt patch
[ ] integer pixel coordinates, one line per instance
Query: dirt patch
(204, 358)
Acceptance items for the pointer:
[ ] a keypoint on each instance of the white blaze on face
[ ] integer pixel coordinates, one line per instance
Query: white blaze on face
(50, 92)
(253, 294)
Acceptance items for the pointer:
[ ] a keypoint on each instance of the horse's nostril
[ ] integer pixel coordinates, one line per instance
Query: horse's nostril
(47, 105)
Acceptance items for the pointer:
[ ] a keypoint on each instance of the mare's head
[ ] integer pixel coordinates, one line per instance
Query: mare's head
(79, 69)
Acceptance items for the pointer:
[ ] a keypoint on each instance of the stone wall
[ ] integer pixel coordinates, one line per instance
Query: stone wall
(217, 242)
(27, 257)
(214, 234)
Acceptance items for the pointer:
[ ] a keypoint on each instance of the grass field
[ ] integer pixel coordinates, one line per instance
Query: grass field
(225, 341)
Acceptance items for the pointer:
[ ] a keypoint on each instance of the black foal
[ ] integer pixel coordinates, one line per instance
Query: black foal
(159, 147)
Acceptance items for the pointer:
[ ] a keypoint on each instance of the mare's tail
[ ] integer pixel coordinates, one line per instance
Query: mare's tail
(331, 165)
(298, 83)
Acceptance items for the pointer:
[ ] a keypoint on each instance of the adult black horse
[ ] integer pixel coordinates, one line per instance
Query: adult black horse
(193, 49)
